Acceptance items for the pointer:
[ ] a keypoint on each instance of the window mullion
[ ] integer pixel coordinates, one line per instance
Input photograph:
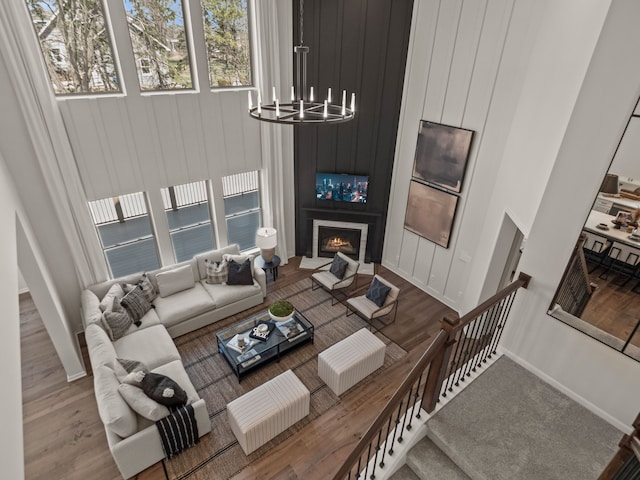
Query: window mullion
(123, 50)
(198, 45)
(161, 226)
(217, 207)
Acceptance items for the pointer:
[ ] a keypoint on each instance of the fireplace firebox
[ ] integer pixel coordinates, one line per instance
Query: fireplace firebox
(333, 239)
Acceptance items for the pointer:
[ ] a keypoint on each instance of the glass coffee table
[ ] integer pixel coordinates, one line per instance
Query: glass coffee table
(245, 353)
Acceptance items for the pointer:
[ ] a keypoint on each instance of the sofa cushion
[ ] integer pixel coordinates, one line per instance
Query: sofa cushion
(150, 319)
(183, 305)
(226, 294)
(136, 304)
(153, 274)
(163, 390)
(100, 348)
(175, 370)
(152, 346)
(141, 403)
(114, 292)
(213, 256)
(91, 312)
(217, 272)
(174, 281)
(240, 273)
(116, 321)
(114, 411)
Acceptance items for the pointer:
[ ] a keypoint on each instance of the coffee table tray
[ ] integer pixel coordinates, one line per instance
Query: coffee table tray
(284, 337)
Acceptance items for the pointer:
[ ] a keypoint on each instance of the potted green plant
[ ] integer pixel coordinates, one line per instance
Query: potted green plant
(281, 310)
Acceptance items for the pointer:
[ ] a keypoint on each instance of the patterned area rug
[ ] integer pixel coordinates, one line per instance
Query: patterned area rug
(218, 455)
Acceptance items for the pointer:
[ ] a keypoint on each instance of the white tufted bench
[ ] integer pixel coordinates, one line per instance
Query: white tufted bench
(347, 362)
(259, 415)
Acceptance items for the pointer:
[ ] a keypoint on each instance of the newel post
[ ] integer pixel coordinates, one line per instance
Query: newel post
(440, 363)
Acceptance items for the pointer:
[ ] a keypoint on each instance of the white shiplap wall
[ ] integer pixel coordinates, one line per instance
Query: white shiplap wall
(141, 143)
(457, 52)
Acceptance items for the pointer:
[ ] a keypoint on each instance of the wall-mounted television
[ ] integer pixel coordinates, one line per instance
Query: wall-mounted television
(341, 187)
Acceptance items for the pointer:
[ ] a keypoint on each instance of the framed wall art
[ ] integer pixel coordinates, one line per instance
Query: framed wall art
(430, 212)
(441, 155)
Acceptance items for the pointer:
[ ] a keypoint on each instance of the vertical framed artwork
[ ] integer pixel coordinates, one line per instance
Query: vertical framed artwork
(430, 212)
(441, 155)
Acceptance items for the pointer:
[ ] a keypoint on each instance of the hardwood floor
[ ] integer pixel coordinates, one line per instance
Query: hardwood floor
(64, 437)
(614, 308)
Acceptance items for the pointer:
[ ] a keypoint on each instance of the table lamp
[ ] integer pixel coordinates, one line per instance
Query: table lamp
(610, 184)
(266, 241)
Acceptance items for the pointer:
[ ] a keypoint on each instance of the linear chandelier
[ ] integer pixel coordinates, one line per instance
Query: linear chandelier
(303, 108)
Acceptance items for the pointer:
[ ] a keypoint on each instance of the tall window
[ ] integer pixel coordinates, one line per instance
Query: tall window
(226, 29)
(75, 43)
(159, 44)
(242, 212)
(187, 208)
(125, 232)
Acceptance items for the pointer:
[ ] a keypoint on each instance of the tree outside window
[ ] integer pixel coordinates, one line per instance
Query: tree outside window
(75, 44)
(159, 42)
(226, 28)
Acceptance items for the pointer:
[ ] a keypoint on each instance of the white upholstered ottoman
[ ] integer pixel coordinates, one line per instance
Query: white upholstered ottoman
(347, 362)
(264, 412)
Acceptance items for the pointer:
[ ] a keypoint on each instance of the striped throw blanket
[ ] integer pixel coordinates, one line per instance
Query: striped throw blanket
(178, 431)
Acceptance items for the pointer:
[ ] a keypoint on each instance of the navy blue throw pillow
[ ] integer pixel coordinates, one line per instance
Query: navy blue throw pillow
(240, 273)
(338, 266)
(378, 292)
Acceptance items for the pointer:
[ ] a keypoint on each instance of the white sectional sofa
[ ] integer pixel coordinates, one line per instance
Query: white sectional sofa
(134, 441)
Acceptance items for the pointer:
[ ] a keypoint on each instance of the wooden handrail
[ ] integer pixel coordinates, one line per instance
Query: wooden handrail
(629, 446)
(389, 409)
(522, 281)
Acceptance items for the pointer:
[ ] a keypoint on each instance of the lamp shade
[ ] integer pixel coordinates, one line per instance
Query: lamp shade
(610, 184)
(266, 238)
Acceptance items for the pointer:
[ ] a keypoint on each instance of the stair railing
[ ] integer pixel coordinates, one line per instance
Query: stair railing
(460, 348)
(625, 465)
(575, 288)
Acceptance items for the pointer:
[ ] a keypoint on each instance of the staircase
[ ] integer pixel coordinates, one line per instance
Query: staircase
(508, 424)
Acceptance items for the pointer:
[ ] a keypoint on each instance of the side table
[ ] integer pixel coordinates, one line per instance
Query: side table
(271, 266)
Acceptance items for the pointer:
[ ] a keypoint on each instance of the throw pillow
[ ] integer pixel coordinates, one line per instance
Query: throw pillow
(141, 403)
(123, 367)
(176, 280)
(240, 273)
(116, 322)
(147, 288)
(217, 272)
(338, 266)
(114, 292)
(135, 378)
(378, 292)
(136, 304)
(163, 390)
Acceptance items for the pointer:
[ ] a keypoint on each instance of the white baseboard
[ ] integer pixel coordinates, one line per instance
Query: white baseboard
(76, 376)
(568, 392)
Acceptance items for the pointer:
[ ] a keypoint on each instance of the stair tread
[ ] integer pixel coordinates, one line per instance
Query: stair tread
(404, 473)
(429, 462)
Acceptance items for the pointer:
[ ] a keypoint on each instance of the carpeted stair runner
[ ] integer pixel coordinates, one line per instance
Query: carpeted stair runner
(509, 424)
(427, 462)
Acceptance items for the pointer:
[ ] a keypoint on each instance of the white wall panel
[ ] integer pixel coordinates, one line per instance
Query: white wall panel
(463, 64)
(408, 252)
(131, 143)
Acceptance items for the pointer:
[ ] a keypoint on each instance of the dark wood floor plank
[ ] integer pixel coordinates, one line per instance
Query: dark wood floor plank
(64, 437)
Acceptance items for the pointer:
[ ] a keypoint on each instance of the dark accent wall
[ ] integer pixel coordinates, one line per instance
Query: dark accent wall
(360, 46)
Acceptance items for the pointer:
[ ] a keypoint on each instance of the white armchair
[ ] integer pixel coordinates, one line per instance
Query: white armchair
(368, 309)
(323, 277)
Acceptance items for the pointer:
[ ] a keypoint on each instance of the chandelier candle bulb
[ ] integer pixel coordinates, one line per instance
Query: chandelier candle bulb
(293, 94)
(250, 101)
(353, 103)
(326, 111)
(277, 108)
(311, 94)
(273, 91)
(344, 103)
(329, 95)
(301, 110)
